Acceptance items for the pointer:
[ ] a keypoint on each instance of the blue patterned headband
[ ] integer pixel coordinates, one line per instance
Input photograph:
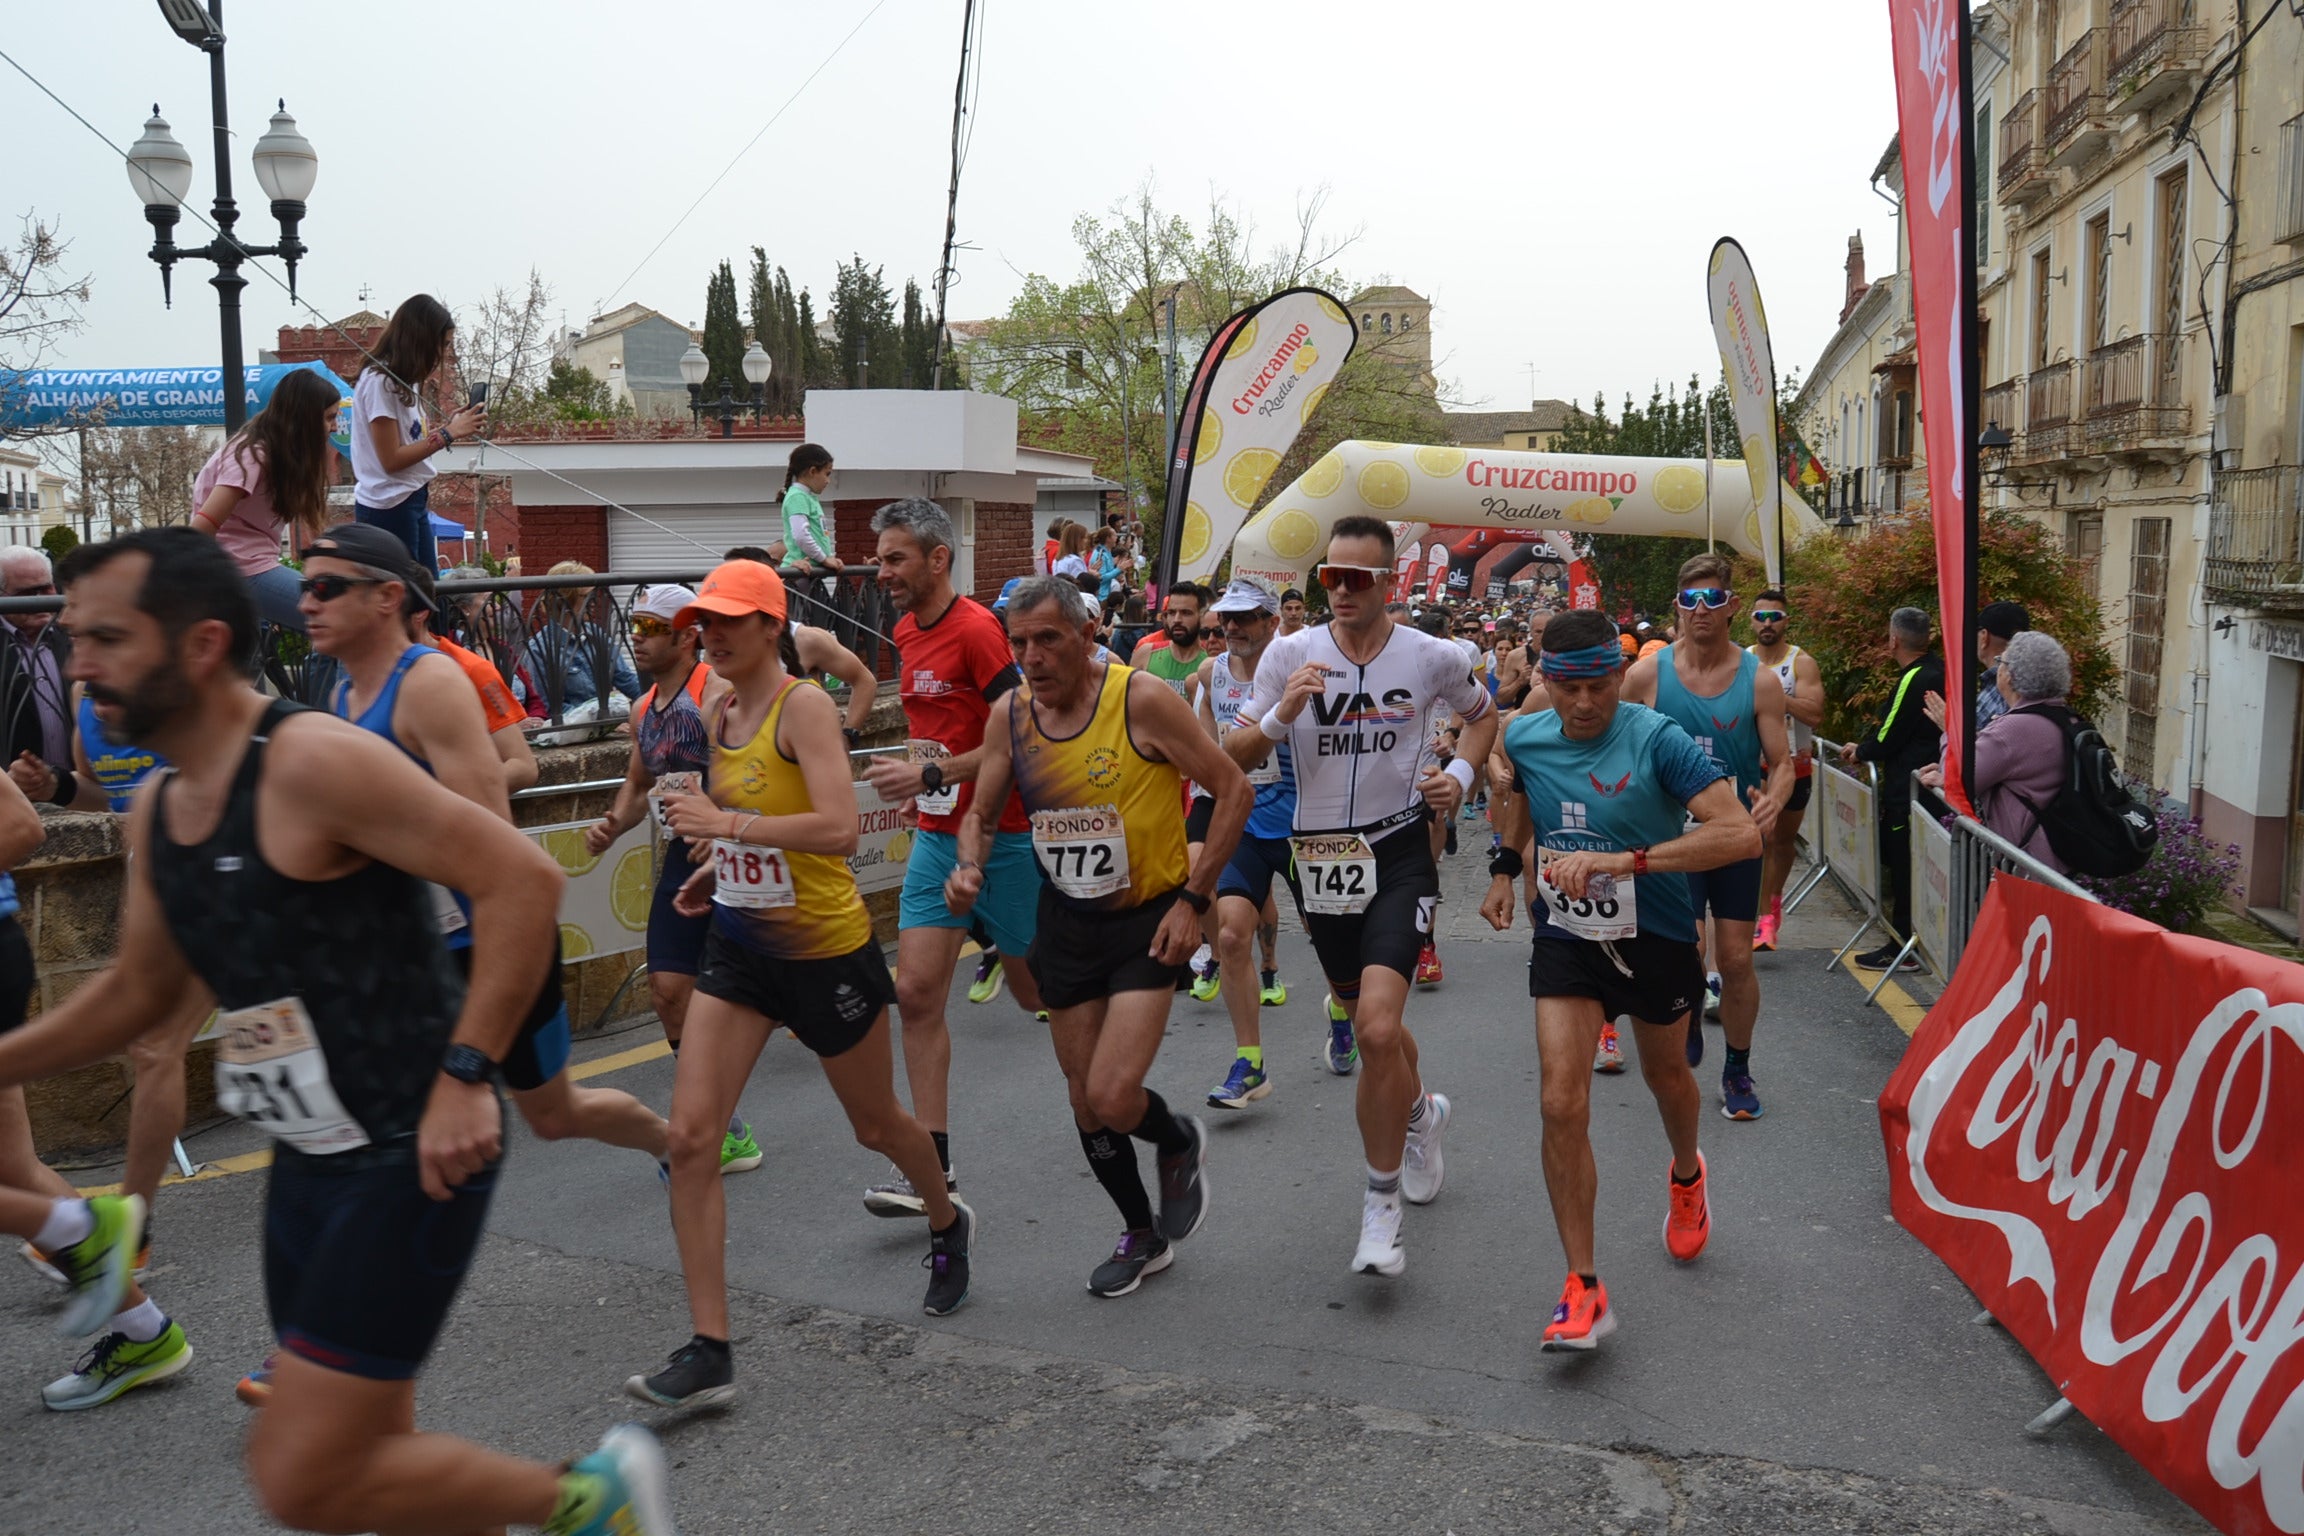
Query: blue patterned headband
(1591, 661)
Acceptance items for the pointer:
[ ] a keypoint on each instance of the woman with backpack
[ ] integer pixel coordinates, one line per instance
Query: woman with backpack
(2021, 757)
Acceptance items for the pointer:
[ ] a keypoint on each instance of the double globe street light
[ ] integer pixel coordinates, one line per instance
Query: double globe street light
(695, 367)
(160, 172)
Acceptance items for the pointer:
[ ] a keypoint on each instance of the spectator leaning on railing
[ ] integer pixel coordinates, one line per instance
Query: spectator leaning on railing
(571, 645)
(2021, 759)
(33, 655)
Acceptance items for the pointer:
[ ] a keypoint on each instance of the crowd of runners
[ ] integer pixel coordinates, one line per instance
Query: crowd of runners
(344, 890)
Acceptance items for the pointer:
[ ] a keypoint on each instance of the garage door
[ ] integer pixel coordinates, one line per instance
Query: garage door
(666, 540)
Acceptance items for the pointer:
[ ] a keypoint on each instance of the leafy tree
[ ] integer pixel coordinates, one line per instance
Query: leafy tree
(572, 393)
(919, 341)
(723, 335)
(815, 369)
(58, 542)
(868, 352)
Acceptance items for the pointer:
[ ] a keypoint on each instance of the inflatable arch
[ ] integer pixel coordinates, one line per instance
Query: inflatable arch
(1475, 488)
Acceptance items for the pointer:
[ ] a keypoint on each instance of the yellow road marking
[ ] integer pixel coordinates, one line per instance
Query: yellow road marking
(223, 1167)
(1894, 998)
(654, 1050)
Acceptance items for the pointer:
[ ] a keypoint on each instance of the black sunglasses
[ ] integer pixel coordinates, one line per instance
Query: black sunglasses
(330, 588)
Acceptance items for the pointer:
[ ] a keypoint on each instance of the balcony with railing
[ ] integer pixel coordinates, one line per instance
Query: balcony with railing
(2256, 538)
(2001, 403)
(2023, 161)
(2133, 397)
(2049, 395)
(2155, 51)
(2077, 115)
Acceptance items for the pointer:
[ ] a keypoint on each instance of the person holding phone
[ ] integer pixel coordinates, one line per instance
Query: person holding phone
(392, 444)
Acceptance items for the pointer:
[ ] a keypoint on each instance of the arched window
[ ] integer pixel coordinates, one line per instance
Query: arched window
(1387, 325)
(1367, 322)
(1406, 321)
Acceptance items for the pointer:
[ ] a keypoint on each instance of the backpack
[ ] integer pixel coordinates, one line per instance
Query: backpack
(2094, 824)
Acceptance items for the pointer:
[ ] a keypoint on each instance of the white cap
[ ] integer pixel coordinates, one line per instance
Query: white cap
(1246, 595)
(1095, 608)
(663, 601)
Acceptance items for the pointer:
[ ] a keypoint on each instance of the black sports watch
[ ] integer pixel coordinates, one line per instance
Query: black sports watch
(1192, 899)
(855, 736)
(468, 1064)
(932, 778)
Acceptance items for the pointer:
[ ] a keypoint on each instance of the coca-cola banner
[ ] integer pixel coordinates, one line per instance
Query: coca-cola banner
(2097, 1128)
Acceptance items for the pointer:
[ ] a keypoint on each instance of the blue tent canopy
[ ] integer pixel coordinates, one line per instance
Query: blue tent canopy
(444, 530)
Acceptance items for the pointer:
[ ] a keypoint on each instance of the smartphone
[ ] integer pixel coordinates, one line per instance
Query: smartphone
(479, 394)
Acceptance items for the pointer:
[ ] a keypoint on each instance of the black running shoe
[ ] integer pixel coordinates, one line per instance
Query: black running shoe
(701, 1374)
(1184, 1185)
(947, 1263)
(1138, 1254)
(1878, 959)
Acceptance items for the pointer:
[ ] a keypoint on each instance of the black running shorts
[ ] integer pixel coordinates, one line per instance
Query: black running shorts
(1801, 788)
(360, 1265)
(18, 975)
(1397, 922)
(1197, 817)
(1731, 892)
(1079, 955)
(830, 1004)
(1666, 976)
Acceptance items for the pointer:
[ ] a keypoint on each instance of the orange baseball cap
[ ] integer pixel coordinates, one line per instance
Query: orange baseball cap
(735, 589)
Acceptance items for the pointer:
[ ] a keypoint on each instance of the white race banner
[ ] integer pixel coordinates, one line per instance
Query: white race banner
(1741, 327)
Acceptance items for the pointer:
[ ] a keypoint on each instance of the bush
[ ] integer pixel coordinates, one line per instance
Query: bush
(58, 542)
(2185, 876)
(1842, 591)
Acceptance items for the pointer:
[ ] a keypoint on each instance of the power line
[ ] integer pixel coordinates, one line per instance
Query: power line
(963, 134)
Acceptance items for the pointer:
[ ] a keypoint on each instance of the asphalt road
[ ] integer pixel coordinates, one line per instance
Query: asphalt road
(1816, 1370)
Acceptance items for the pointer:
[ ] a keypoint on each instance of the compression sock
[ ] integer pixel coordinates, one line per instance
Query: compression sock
(1382, 1183)
(943, 1140)
(1738, 1063)
(1253, 1055)
(1416, 1110)
(69, 1221)
(1112, 1158)
(1162, 1129)
(1684, 1183)
(143, 1322)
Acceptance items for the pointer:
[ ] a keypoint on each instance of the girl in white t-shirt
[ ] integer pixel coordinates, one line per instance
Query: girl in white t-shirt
(271, 477)
(392, 447)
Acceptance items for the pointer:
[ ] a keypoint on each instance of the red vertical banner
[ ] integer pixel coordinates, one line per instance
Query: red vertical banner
(1934, 106)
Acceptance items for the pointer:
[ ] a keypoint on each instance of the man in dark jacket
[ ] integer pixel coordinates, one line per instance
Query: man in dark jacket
(1906, 740)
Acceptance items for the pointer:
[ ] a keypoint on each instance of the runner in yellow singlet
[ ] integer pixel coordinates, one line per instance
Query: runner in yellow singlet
(791, 945)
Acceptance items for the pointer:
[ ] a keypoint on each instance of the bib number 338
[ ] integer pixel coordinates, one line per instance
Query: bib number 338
(749, 876)
(272, 1073)
(1608, 909)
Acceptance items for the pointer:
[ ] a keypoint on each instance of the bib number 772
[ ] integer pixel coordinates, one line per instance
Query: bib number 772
(1070, 862)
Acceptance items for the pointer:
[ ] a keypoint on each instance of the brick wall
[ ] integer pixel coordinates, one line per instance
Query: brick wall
(343, 349)
(1004, 536)
(480, 501)
(852, 537)
(552, 534)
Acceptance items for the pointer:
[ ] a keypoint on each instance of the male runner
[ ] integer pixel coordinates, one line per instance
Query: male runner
(1097, 752)
(258, 866)
(1291, 611)
(670, 752)
(1355, 699)
(791, 946)
(1803, 684)
(1733, 708)
(954, 666)
(1175, 655)
(1609, 786)
(1245, 904)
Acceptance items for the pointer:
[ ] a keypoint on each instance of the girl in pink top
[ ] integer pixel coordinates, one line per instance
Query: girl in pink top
(273, 475)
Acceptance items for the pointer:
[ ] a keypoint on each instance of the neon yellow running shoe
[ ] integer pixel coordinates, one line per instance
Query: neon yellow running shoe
(1274, 992)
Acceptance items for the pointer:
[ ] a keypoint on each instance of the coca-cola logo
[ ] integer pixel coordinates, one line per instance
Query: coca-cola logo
(2105, 1147)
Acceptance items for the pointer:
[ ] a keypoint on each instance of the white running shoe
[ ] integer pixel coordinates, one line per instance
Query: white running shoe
(1420, 1168)
(1202, 958)
(1380, 1251)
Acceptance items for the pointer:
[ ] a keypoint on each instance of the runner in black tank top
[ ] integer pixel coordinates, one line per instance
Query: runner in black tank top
(269, 855)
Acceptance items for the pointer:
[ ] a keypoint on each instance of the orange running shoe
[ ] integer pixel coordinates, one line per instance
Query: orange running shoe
(1428, 967)
(1764, 935)
(1610, 1057)
(1583, 1317)
(1688, 1226)
(255, 1388)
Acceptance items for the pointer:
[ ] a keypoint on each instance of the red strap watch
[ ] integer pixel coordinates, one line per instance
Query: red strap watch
(1639, 862)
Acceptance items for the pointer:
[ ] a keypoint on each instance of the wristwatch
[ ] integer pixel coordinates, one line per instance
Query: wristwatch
(468, 1064)
(1639, 862)
(1192, 899)
(932, 778)
(855, 736)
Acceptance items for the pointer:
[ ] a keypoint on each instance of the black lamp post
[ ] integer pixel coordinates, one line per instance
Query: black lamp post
(160, 171)
(694, 366)
(1992, 445)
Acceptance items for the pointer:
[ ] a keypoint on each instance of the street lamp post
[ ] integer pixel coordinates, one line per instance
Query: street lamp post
(160, 172)
(694, 366)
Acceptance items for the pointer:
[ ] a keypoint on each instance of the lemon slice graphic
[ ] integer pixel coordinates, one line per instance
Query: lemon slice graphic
(1752, 529)
(1305, 358)
(1592, 509)
(1440, 463)
(1323, 478)
(1241, 343)
(1311, 403)
(1245, 476)
(1333, 310)
(631, 889)
(566, 845)
(1384, 485)
(1293, 535)
(899, 847)
(1679, 488)
(575, 943)
(1199, 533)
(1211, 437)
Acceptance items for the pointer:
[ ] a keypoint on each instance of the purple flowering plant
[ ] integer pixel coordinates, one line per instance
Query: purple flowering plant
(2186, 875)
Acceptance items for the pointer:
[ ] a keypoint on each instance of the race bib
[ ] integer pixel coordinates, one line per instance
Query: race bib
(946, 800)
(687, 782)
(1608, 909)
(447, 911)
(271, 1072)
(1337, 871)
(1084, 852)
(1266, 772)
(750, 876)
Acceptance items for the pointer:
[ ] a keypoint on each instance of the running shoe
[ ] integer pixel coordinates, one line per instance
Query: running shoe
(947, 1263)
(1206, 982)
(1342, 1052)
(118, 1364)
(1274, 991)
(1244, 1087)
(1042, 1015)
(697, 1376)
(1688, 1225)
(1712, 996)
(1448, 845)
(1610, 1057)
(41, 1264)
(989, 976)
(1695, 1043)
(1884, 957)
(1380, 1252)
(895, 1196)
(255, 1388)
(1421, 1170)
(1582, 1319)
(1139, 1253)
(739, 1153)
(1764, 934)
(98, 1267)
(1184, 1184)
(621, 1489)
(1428, 966)
(1738, 1100)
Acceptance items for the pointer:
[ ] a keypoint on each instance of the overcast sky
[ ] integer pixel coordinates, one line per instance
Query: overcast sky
(1552, 176)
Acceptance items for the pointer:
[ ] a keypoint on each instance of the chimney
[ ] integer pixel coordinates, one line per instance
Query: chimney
(1856, 283)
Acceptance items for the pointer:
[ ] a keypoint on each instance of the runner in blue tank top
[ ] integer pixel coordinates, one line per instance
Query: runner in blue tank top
(1600, 792)
(1734, 708)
